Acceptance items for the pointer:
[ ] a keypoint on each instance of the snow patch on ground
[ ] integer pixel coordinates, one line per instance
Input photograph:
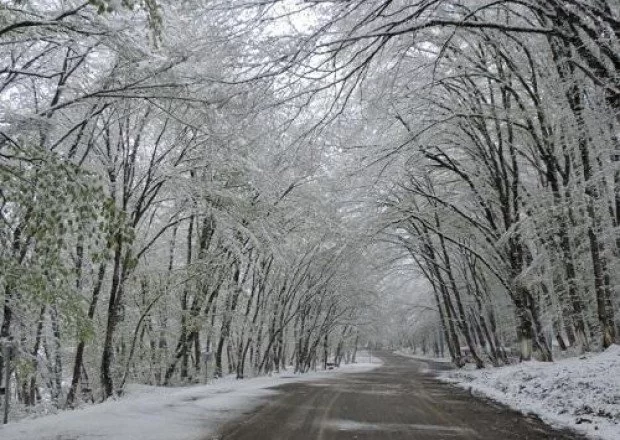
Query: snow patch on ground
(352, 425)
(411, 354)
(158, 413)
(580, 393)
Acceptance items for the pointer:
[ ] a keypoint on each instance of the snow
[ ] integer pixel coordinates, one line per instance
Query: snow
(352, 425)
(413, 355)
(157, 413)
(580, 393)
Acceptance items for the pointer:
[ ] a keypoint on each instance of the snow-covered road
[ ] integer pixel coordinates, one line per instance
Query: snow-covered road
(398, 401)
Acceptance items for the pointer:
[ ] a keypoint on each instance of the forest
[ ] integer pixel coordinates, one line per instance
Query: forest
(191, 189)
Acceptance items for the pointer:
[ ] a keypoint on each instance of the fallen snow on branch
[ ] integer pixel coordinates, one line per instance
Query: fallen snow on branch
(158, 413)
(579, 393)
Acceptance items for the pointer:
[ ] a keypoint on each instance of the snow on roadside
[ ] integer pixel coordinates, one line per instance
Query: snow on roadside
(158, 413)
(579, 393)
(412, 355)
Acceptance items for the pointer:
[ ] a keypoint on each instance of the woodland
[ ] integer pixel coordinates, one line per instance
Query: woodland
(191, 189)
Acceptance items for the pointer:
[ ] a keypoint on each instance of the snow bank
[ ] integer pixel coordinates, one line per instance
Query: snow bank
(579, 393)
(157, 413)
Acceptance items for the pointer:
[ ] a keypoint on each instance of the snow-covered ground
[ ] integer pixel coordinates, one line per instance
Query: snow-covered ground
(580, 393)
(156, 413)
(411, 354)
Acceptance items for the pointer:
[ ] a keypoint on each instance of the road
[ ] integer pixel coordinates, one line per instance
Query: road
(396, 401)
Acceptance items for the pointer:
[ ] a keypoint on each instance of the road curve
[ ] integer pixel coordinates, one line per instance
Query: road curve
(396, 401)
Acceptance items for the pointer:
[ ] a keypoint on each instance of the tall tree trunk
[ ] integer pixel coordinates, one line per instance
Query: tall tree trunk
(57, 368)
(602, 288)
(79, 352)
(116, 287)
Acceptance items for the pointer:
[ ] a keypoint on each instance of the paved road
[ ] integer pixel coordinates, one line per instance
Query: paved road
(397, 401)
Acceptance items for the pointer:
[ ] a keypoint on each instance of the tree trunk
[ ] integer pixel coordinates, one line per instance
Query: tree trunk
(79, 352)
(107, 356)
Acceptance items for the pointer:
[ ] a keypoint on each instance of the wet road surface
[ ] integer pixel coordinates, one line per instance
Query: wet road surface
(396, 401)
